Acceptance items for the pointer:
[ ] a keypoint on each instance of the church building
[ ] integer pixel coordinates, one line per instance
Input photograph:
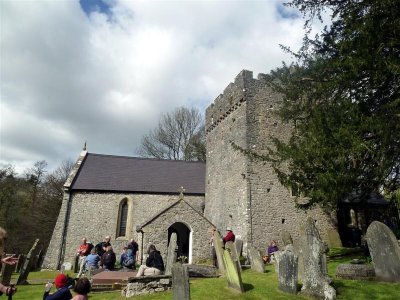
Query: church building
(148, 199)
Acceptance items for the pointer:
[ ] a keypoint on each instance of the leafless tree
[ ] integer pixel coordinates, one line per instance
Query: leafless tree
(178, 136)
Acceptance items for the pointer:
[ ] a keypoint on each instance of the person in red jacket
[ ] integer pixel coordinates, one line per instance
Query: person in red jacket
(229, 237)
(83, 251)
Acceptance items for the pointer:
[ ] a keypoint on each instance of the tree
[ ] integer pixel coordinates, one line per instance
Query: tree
(179, 135)
(342, 97)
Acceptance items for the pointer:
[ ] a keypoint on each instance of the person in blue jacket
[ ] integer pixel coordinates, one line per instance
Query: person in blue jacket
(62, 293)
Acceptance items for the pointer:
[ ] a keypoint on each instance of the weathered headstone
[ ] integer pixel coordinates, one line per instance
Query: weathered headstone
(315, 282)
(171, 254)
(67, 266)
(334, 239)
(288, 272)
(239, 246)
(355, 271)
(75, 265)
(256, 261)
(231, 247)
(385, 252)
(220, 252)
(6, 272)
(180, 282)
(232, 272)
(286, 238)
(20, 263)
(277, 258)
(23, 276)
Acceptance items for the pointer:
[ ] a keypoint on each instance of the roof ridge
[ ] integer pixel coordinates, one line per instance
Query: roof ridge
(145, 158)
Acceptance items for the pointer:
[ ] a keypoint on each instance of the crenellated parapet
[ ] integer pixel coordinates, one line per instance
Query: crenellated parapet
(234, 95)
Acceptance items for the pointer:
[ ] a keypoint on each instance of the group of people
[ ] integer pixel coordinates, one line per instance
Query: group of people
(103, 256)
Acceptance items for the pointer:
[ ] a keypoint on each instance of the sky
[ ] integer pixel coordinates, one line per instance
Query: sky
(105, 71)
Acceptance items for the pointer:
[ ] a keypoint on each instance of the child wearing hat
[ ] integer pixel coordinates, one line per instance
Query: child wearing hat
(62, 293)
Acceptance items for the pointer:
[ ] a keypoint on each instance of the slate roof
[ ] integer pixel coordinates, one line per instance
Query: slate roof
(101, 172)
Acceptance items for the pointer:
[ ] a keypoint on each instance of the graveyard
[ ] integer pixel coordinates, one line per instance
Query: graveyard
(305, 271)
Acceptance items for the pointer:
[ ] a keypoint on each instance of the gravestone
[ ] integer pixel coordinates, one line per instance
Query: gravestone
(286, 238)
(20, 263)
(232, 272)
(239, 246)
(231, 247)
(6, 272)
(355, 271)
(75, 265)
(315, 282)
(385, 252)
(334, 239)
(180, 282)
(257, 264)
(220, 252)
(67, 266)
(287, 273)
(23, 276)
(171, 254)
(277, 258)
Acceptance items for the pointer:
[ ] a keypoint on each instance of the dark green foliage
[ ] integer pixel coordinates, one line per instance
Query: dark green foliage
(342, 97)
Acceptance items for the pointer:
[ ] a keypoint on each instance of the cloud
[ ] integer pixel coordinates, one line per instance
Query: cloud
(106, 75)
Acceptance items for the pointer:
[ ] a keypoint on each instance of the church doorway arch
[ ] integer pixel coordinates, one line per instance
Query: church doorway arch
(184, 239)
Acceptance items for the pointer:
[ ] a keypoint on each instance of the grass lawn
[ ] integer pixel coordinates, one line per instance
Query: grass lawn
(257, 286)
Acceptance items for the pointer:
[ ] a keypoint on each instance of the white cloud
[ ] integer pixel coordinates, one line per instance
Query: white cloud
(67, 77)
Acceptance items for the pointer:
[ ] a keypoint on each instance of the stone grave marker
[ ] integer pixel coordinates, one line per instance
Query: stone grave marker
(171, 254)
(315, 282)
(355, 272)
(20, 263)
(287, 273)
(67, 266)
(23, 275)
(239, 246)
(257, 264)
(75, 265)
(6, 272)
(232, 272)
(334, 239)
(286, 238)
(385, 252)
(231, 247)
(180, 282)
(220, 252)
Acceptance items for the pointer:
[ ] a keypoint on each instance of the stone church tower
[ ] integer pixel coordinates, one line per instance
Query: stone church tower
(243, 194)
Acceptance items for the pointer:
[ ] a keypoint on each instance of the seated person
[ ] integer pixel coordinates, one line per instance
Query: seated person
(92, 260)
(108, 259)
(229, 237)
(154, 263)
(62, 292)
(270, 252)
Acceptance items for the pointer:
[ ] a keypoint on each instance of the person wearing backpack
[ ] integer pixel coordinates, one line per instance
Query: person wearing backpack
(154, 263)
(133, 249)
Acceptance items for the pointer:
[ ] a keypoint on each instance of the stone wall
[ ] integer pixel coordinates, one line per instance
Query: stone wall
(261, 206)
(95, 215)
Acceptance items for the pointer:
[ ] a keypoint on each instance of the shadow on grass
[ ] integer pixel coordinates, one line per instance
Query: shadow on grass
(247, 287)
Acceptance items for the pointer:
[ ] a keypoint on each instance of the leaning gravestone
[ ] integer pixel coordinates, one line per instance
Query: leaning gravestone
(180, 282)
(6, 272)
(232, 272)
(23, 276)
(232, 249)
(256, 261)
(288, 272)
(220, 252)
(385, 252)
(20, 263)
(315, 282)
(171, 254)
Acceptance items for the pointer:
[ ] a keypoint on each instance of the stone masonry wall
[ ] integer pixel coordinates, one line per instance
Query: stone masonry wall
(156, 232)
(263, 205)
(226, 184)
(95, 215)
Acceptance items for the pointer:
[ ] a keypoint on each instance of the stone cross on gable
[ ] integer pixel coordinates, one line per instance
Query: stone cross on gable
(182, 190)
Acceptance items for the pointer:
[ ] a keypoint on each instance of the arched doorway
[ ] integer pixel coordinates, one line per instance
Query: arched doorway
(184, 239)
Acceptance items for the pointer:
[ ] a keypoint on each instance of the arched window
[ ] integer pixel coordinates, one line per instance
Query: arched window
(123, 218)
